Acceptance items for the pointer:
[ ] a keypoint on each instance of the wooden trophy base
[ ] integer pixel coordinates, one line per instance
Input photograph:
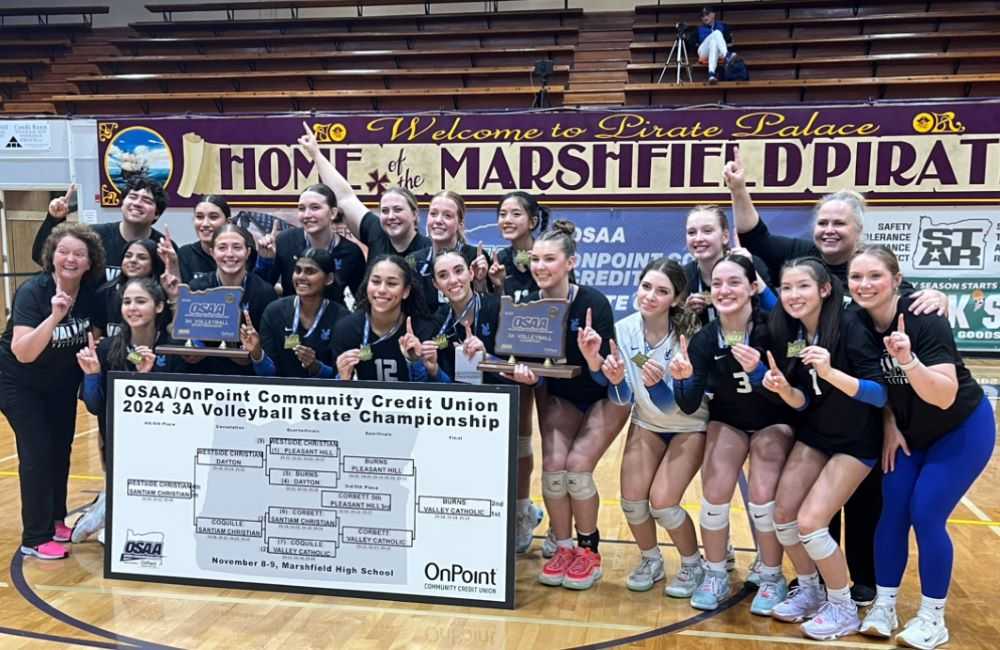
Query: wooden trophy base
(191, 351)
(554, 370)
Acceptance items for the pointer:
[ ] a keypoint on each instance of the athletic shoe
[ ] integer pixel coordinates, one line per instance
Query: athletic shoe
(880, 622)
(554, 571)
(862, 595)
(802, 602)
(769, 594)
(686, 581)
(832, 621)
(923, 631)
(713, 589)
(90, 522)
(730, 558)
(712, 80)
(62, 532)
(46, 551)
(584, 571)
(648, 573)
(100, 536)
(526, 522)
(753, 573)
(549, 545)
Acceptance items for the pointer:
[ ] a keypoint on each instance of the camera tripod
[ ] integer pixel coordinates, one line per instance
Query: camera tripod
(678, 56)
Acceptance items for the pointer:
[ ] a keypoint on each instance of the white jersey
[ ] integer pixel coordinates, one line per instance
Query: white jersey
(645, 413)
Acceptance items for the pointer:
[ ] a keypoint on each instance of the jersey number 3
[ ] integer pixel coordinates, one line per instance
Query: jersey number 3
(742, 382)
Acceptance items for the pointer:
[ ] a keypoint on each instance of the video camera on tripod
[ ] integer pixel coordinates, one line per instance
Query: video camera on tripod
(678, 55)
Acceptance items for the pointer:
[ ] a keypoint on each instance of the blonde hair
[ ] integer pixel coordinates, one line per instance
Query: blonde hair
(459, 202)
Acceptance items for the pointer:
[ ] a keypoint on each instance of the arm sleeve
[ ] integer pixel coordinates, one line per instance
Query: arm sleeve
(43, 233)
(689, 392)
(326, 372)
(662, 395)
(93, 392)
(620, 394)
(768, 300)
(267, 268)
(27, 310)
(265, 367)
(871, 392)
(933, 340)
(271, 335)
(604, 323)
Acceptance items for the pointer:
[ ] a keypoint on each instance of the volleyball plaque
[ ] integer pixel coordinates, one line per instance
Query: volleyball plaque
(530, 331)
(207, 317)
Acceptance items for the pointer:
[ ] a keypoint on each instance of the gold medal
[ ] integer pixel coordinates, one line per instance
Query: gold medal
(734, 338)
(291, 341)
(522, 259)
(365, 353)
(441, 341)
(134, 358)
(795, 348)
(640, 359)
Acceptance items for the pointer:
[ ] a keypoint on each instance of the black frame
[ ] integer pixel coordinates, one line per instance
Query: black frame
(508, 603)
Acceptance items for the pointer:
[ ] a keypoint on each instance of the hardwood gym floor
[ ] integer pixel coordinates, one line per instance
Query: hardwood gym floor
(69, 604)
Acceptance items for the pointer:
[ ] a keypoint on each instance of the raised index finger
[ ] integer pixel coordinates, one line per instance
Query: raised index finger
(306, 127)
(614, 348)
(684, 345)
(588, 321)
(771, 362)
(70, 193)
(902, 325)
(736, 157)
(479, 250)
(409, 326)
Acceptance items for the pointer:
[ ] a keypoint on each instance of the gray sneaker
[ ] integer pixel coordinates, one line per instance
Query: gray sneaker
(526, 523)
(801, 603)
(90, 521)
(686, 581)
(549, 544)
(644, 576)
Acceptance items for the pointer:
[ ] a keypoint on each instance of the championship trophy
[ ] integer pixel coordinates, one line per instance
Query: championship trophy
(536, 331)
(208, 317)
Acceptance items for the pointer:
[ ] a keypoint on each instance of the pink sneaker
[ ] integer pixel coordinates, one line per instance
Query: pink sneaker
(46, 551)
(63, 532)
(554, 570)
(585, 570)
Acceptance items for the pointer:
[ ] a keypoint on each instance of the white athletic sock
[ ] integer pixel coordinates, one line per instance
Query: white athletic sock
(691, 560)
(886, 596)
(718, 567)
(565, 543)
(809, 580)
(839, 595)
(652, 553)
(933, 606)
(768, 571)
(523, 505)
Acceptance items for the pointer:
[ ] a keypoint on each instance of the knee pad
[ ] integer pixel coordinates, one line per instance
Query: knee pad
(554, 484)
(636, 512)
(763, 516)
(714, 516)
(524, 447)
(580, 485)
(671, 517)
(818, 544)
(788, 533)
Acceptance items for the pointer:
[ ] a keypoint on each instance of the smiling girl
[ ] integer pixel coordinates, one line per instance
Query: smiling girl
(140, 261)
(519, 218)
(195, 259)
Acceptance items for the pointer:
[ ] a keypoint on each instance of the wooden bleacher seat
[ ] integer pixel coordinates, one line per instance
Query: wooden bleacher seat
(43, 13)
(8, 83)
(27, 65)
(755, 9)
(168, 10)
(305, 100)
(380, 76)
(777, 90)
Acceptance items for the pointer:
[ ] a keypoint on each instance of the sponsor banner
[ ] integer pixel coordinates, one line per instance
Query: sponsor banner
(354, 489)
(651, 157)
(954, 250)
(25, 135)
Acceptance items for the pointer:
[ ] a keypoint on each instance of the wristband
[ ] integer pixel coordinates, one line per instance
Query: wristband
(906, 367)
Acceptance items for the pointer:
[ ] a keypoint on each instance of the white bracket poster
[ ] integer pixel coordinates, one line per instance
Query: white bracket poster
(378, 490)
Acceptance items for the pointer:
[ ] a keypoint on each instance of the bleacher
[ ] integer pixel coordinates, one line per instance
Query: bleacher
(426, 55)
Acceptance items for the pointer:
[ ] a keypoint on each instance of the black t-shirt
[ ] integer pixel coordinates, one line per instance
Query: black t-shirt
(55, 368)
(277, 324)
(257, 295)
(194, 262)
(349, 264)
(734, 399)
(696, 285)
(110, 296)
(484, 325)
(931, 339)
(582, 390)
(111, 238)
(378, 243)
(422, 261)
(387, 362)
(775, 250)
(833, 421)
(518, 282)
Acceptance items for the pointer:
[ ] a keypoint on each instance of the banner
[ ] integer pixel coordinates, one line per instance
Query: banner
(394, 491)
(896, 153)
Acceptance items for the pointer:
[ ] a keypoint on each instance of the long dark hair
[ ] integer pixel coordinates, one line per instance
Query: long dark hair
(118, 284)
(682, 321)
(784, 329)
(324, 262)
(218, 202)
(248, 239)
(750, 271)
(122, 341)
(413, 305)
(535, 210)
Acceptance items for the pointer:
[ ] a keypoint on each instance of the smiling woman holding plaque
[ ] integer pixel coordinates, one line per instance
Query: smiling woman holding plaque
(578, 421)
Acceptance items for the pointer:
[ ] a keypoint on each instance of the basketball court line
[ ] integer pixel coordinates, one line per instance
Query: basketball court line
(983, 519)
(787, 640)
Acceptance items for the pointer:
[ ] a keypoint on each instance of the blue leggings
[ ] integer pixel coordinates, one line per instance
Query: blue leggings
(922, 492)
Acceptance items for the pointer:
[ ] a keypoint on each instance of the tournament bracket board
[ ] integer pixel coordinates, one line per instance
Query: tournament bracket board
(365, 489)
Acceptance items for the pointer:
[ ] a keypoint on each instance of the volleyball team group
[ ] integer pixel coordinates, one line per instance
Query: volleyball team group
(814, 359)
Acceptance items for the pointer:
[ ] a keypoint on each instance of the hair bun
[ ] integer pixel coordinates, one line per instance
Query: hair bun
(564, 226)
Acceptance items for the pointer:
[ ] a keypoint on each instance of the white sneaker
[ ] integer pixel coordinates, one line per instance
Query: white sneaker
(801, 603)
(686, 581)
(832, 621)
(880, 621)
(648, 573)
(549, 545)
(924, 631)
(90, 521)
(100, 537)
(527, 520)
(714, 588)
(730, 558)
(753, 573)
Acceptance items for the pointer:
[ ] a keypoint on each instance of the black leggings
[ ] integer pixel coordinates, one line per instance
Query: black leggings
(44, 424)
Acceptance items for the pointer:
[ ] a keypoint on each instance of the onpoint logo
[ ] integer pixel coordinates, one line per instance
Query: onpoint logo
(457, 573)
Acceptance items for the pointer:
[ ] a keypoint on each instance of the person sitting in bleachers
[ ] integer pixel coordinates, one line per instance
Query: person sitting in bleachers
(713, 40)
